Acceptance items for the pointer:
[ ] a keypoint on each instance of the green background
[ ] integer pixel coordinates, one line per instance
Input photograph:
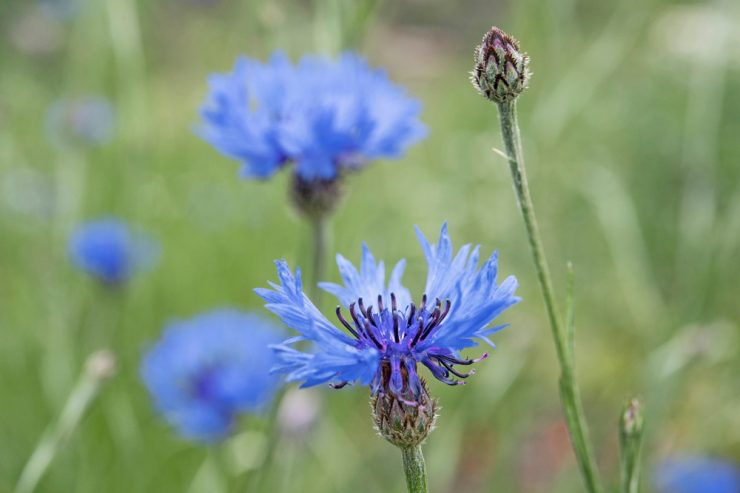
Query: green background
(630, 131)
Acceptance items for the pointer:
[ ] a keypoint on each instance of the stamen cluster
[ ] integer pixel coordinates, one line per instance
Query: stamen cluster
(402, 339)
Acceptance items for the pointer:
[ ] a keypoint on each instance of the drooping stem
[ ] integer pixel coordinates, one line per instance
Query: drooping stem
(320, 234)
(100, 366)
(569, 392)
(415, 469)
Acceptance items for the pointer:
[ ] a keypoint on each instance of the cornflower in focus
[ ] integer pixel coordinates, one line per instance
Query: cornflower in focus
(206, 371)
(386, 335)
(323, 117)
(109, 250)
(80, 122)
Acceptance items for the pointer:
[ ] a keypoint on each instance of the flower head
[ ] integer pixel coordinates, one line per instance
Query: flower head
(501, 70)
(386, 335)
(207, 370)
(80, 122)
(697, 475)
(323, 116)
(110, 250)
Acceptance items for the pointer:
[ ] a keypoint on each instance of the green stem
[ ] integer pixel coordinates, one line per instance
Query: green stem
(320, 234)
(569, 393)
(99, 367)
(415, 469)
(262, 476)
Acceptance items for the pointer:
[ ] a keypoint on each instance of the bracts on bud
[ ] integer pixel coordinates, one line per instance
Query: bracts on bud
(501, 70)
(405, 420)
(316, 199)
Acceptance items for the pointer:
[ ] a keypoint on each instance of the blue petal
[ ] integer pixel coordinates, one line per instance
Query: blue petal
(368, 282)
(207, 370)
(697, 475)
(476, 298)
(336, 357)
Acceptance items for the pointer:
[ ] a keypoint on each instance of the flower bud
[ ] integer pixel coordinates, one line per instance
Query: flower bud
(317, 198)
(630, 441)
(630, 423)
(501, 70)
(404, 423)
(101, 364)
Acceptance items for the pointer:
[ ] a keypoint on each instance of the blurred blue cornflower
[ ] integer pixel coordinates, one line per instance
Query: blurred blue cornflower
(697, 475)
(110, 250)
(207, 370)
(324, 116)
(384, 343)
(80, 122)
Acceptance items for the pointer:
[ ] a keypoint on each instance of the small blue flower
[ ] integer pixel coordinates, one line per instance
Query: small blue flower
(206, 371)
(697, 475)
(109, 250)
(382, 344)
(80, 122)
(322, 115)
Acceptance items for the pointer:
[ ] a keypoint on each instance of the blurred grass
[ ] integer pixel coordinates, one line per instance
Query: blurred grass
(630, 131)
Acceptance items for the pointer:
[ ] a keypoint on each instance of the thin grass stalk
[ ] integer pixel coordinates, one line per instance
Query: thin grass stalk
(569, 392)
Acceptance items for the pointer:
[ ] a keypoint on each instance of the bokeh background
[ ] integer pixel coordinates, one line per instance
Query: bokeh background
(630, 129)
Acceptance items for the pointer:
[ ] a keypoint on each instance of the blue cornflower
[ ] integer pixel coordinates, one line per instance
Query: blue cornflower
(110, 250)
(384, 343)
(80, 122)
(324, 116)
(697, 475)
(206, 371)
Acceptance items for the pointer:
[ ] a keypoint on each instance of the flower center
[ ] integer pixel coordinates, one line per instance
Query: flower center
(392, 328)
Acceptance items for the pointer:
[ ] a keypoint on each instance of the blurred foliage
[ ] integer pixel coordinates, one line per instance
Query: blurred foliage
(630, 130)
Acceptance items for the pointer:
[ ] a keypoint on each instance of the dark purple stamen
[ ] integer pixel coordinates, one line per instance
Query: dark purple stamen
(465, 362)
(375, 329)
(455, 372)
(354, 316)
(369, 332)
(345, 323)
(448, 305)
(420, 325)
(338, 385)
(411, 315)
(362, 307)
(433, 322)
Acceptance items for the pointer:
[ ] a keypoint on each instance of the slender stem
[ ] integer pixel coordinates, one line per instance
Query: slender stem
(99, 367)
(569, 393)
(415, 469)
(320, 233)
(262, 476)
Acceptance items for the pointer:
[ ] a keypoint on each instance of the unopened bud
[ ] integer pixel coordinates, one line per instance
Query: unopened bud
(630, 424)
(630, 441)
(501, 70)
(316, 199)
(299, 410)
(101, 364)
